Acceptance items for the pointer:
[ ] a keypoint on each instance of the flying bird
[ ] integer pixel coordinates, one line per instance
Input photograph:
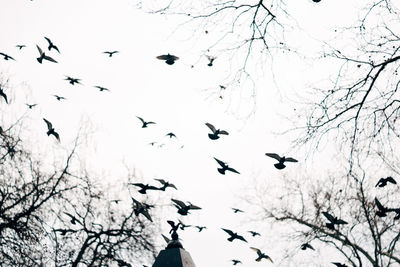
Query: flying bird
(200, 228)
(253, 234)
(235, 210)
(141, 208)
(165, 184)
(215, 132)
(261, 255)
(183, 226)
(225, 167)
(50, 130)
(59, 98)
(171, 135)
(72, 80)
(7, 57)
(281, 160)
(144, 187)
(383, 181)
(381, 209)
(20, 46)
(236, 262)
(169, 59)
(110, 53)
(211, 60)
(3, 95)
(233, 235)
(30, 106)
(305, 246)
(51, 45)
(332, 220)
(183, 209)
(42, 56)
(101, 88)
(145, 123)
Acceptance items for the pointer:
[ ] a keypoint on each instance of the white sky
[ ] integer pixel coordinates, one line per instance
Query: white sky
(172, 96)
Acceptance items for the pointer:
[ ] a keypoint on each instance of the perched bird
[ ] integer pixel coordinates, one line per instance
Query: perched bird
(141, 208)
(332, 220)
(235, 210)
(72, 80)
(50, 130)
(169, 59)
(59, 98)
(215, 133)
(236, 262)
(305, 246)
(281, 160)
(20, 46)
(336, 263)
(200, 228)
(381, 209)
(30, 106)
(383, 181)
(101, 88)
(253, 234)
(110, 53)
(145, 123)
(171, 135)
(7, 57)
(183, 209)
(74, 220)
(51, 45)
(144, 187)
(211, 60)
(165, 184)
(234, 236)
(261, 255)
(42, 56)
(225, 167)
(3, 95)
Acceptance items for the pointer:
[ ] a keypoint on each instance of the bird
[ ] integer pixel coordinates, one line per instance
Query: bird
(165, 184)
(316, 1)
(236, 262)
(233, 235)
(3, 95)
(101, 88)
(152, 143)
(50, 130)
(20, 46)
(305, 246)
(183, 209)
(332, 220)
(235, 210)
(383, 181)
(59, 98)
(144, 187)
(7, 57)
(30, 106)
(169, 59)
(145, 123)
(381, 209)
(337, 263)
(183, 226)
(281, 160)
(51, 45)
(200, 228)
(73, 218)
(211, 60)
(141, 208)
(261, 255)
(225, 167)
(42, 56)
(253, 234)
(72, 80)
(215, 132)
(170, 135)
(110, 53)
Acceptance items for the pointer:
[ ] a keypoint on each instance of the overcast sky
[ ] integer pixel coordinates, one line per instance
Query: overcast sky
(178, 98)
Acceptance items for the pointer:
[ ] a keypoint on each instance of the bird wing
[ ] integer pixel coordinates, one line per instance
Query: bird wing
(163, 57)
(220, 162)
(4, 95)
(56, 48)
(223, 132)
(40, 50)
(137, 203)
(3, 54)
(241, 238)
(142, 120)
(194, 207)
(161, 181)
(340, 221)
(391, 180)
(233, 170)
(380, 181)
(173, 186)
(256, 250)
(212, 128)
(150, 187)
(11, 58)
(49, 125)
(179, 203)
(228, 231)
(379, 205)
(291, 160)
(57, 136)
(48, 40)
(50, 59)
(138, 184)
(328, 216)
(274, 156)
(147, 215)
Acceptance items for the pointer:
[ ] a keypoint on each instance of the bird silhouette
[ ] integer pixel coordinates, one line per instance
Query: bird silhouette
(333, 220)
(165, 184)
(7, 57)
(3, 95)
(337, 263)
(215, 132)
(145, 123)
(110, 53)
(171, 135)
(183, 209)
(235, 210)
(50, 130)
(101, 88)
(233, 235)
(225, 167)
(383, 181)
(43, 56)
(144, 187)
(381, 209)
(210, 60)
(141, 208)
(200, 228)
(20, 46)
(59, 98)
(253, 234)
(169, 59)
(183, 226)
(316, 1)
(30, 106)
(305, 246)
(51, 45)
(72, 80)
(261, 255)
(235, 262)
(281, 160)
(74, 220)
